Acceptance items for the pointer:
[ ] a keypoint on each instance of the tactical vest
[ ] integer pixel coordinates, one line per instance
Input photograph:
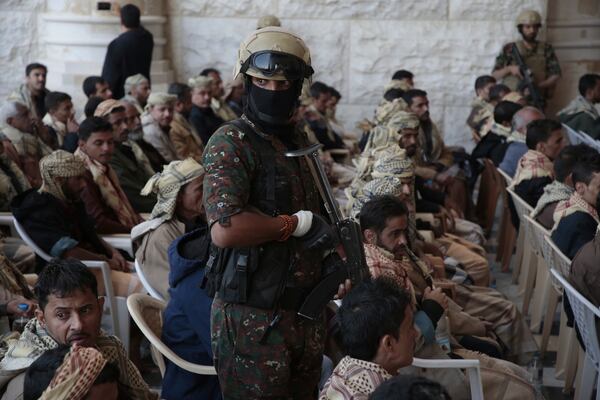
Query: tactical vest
(258, 276)
(536, 62)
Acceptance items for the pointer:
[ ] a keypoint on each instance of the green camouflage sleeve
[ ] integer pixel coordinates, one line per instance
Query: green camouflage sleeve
(504, 58)
(229, 163)
(552, 65)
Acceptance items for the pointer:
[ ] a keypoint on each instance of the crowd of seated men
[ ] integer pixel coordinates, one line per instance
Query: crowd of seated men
(133, 166)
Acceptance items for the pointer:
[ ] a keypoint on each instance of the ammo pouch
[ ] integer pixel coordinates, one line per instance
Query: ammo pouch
(255, 276)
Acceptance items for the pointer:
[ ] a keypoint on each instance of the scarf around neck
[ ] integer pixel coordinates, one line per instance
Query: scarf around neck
(556, 191)
(533, 165)
(573, 204)
(578, 105)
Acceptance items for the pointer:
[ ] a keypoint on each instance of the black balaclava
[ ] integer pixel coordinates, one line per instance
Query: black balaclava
(272, 110)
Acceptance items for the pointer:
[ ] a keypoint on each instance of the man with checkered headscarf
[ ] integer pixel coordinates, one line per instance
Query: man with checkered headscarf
(178, 210)
(55, 219)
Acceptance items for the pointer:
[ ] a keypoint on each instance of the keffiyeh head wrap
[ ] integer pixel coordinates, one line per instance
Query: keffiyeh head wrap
(59, 164)
(200, 82)
(159, 99)
(132, 81)
(166, 185)
(106, 107)
(76, 376)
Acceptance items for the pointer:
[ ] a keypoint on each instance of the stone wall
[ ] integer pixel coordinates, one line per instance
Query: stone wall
(357, 45)
(19, 46)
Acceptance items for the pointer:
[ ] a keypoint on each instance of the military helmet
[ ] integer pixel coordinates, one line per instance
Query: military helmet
(273, 53)
(529, 17)
(268, 20)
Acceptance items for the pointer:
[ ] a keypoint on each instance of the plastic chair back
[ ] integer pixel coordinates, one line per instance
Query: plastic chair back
(585, 317)
(29, 242)
(507, 179)
(471, 366)
(147, 313)
(537, 233)
(151, 291)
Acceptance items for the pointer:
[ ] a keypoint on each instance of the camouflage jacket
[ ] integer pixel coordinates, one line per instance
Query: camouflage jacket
(506, 58)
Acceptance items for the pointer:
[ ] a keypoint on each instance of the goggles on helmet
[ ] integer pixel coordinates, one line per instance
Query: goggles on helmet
(270, 63)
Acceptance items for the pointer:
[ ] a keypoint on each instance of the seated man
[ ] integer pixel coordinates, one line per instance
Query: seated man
(60, 122)
(185, 140)
(178, 210)
(96, 86)
(202, 116)
(217, 92)
(317, 120)
(433, 158)
(544, 140)
(33, 92)
(16, 124)
(384, 224)
(102, 195)
(136, 135)
(584, 269)
(493, 143)
(562, 186)
(137, 90)
(576, 219)
(12, 180)
(581, 114)
(69, 313)
(378, 336)
(516, 141)
(129, 161)
(156, 123)
(55, 219)
(71, 372)
(481, 109)
(186, 328)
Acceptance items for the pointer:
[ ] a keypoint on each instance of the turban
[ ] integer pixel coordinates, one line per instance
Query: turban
(166, 185)
(387, 109)
(513, 97)
(106, 107)
(59, 164)
(132, 81)
(403, 120)
(267, 20)
(77, 374)
(204, 82)
(393, 162)
(158, 99)
(397, 84)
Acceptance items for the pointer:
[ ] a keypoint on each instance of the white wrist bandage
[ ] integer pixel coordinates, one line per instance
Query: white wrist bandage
(304, 223)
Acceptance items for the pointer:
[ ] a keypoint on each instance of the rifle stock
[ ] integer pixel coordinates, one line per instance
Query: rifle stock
(348, 231)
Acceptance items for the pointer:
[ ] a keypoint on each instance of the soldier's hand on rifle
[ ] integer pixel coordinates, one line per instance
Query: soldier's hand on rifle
(515, 70)
(314, 231)
(343, 289)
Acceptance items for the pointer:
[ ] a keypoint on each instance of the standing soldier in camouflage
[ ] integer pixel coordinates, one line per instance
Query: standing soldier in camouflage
(539, 57)
(262, 208)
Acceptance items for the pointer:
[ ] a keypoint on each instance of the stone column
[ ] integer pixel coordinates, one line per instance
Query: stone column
(74, 37)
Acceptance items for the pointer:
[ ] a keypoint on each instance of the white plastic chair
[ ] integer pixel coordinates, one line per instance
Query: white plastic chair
(544, 298)
(585, 317)
(525, 260)
(140, 306)
(151, 291)
(471, 366)
(121, 241)
(119, 320)
(566, 355)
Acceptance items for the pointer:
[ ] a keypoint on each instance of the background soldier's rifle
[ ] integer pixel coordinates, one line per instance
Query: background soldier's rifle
(536, 99)
(354, 267)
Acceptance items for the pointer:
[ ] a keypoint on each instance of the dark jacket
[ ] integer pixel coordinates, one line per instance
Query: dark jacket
(127, 55)
(531, 190)
(132, 178)
(186, 328)
(205, 121)
(573, 231)
(491, 146)
(56, 226)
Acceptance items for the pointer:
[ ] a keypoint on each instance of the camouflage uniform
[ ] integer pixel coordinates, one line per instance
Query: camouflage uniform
(541, 60)
(286, 363)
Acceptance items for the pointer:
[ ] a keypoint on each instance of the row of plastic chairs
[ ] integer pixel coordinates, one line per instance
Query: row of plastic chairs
(578, 137)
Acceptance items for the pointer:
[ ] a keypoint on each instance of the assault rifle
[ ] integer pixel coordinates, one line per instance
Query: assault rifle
(348, 231)
(536, 98)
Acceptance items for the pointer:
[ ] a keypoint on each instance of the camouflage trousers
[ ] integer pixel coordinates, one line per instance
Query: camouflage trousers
(285, 364)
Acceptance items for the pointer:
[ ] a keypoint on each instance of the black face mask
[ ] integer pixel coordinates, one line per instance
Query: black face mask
(273, 107)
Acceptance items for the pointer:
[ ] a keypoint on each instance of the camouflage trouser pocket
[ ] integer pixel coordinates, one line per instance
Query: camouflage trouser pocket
(246, 367)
